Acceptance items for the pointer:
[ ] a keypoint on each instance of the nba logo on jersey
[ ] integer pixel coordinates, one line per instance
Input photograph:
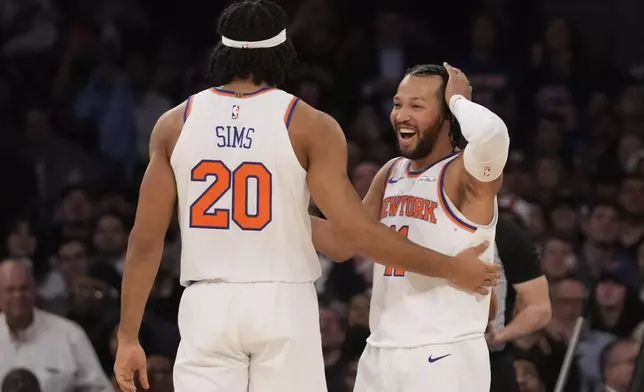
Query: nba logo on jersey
(235, 113)
(486, 171)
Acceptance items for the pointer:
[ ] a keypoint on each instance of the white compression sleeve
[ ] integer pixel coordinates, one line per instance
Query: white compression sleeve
(487, 135)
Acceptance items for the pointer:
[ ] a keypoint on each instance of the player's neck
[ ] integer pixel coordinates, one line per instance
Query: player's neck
(244, 86)
(438, 153)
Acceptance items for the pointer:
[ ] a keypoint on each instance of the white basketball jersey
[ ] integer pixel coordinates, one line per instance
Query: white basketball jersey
(410, 310)
(242, 193)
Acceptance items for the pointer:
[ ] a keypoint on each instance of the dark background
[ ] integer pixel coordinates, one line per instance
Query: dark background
(82, 83)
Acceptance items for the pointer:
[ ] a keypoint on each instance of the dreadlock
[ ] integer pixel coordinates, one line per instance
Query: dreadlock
(251, 20)
(425, 70)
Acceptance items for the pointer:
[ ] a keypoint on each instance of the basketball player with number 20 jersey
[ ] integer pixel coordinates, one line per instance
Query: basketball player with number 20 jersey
(240, 161)
(427, 334)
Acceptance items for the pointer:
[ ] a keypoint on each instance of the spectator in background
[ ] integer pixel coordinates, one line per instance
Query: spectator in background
(73, 214)
(357, 330)
(20, 380)
(21, 243)
(362, 176)
(600, 250)
(528, 376)
(333, 334)
(557, 258)
(110, 241)
(569, 298)
(564, 218)
(548, 346)
(29, 27)
(617, 308)
(160, 374)
(71, 263)
(80, 82)
(522, 285)
(55, 349)
(550, 175)
(631, 200)
(93, 306)
(640, 268)
(617, 365)
(350, 377)
(58, 163)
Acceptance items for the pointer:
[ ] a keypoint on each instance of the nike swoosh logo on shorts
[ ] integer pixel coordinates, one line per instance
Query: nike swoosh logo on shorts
(432, 360)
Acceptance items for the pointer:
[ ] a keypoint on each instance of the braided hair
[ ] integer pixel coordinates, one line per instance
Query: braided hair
(251, 20)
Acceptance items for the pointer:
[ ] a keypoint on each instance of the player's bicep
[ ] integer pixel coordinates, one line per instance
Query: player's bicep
(157, 195)
(327, 177)
(334, 245)
(373, 199)
(486, 153)
(472, 184)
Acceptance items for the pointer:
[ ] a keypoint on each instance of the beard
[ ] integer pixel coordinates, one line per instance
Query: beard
(426, 142)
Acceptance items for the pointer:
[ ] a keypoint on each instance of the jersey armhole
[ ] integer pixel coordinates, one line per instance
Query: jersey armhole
(188, 109)
(450, 209)
(390, 173)
(289, 111)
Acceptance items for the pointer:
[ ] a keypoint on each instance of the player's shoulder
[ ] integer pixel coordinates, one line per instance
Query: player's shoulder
(312, 116)
(174, 116)
(392, 165)
(393, 162)
(314, 124)
(387, 170)
(168, 128)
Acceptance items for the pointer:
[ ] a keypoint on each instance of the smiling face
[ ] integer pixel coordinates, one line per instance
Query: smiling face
(417, 115)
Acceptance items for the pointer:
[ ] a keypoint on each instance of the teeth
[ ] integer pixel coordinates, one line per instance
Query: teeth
(407, 131)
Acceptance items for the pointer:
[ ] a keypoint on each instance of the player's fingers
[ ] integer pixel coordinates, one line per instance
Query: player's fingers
(449, 69)
(493, 279)
(494, 269)
(453, 70)
(143, 377)
(489, 283)
(126, 385)
(480, 248)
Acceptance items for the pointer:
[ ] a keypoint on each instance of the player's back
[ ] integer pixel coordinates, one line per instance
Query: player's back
(410, 310)
(242, 193)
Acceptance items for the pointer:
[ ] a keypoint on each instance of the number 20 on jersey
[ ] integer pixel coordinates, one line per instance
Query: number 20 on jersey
(236, 181)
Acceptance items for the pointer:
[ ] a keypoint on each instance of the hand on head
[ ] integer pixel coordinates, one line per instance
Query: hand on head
(458, 84)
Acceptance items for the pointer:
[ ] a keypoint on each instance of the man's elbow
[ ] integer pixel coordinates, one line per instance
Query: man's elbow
(498, 133)
(355, 237)
(340, 257)
(544, 314)
(328, 242)
(144, 240)
(336, 253)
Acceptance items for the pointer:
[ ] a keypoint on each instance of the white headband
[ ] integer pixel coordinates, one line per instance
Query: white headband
(266, 43)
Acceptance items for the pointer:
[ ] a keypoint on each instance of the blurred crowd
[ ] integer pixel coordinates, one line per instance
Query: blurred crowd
(82, 84)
